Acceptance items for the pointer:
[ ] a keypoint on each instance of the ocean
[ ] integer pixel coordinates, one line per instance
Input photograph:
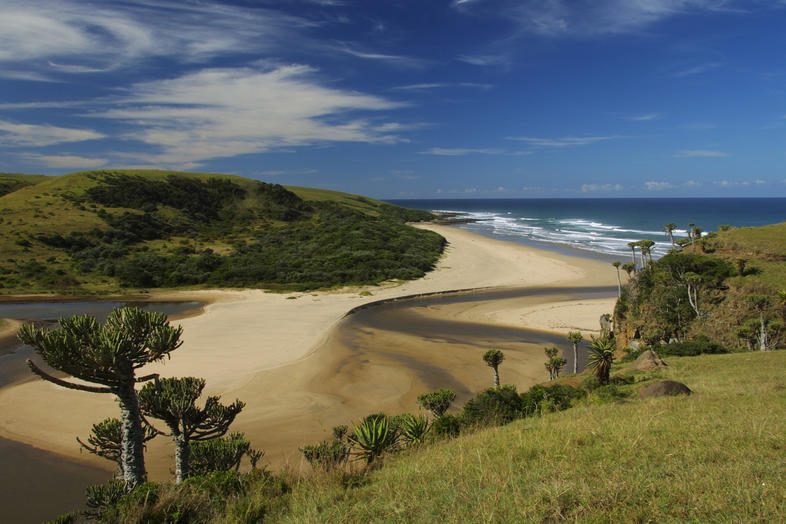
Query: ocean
(602, 227)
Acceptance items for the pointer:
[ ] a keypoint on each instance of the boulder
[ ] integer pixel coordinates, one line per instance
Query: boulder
(648, 361)
(664, 388)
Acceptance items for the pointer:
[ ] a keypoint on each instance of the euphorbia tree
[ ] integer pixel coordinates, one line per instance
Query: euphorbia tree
(106, 440)
(493, 358)
(173, 401)
(108, 354)
(575, 337)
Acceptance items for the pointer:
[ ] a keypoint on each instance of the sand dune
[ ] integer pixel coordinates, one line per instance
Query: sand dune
(275, 351)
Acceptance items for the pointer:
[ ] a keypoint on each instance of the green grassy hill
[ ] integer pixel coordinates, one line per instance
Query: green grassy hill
(714, 456)
(10, 182)
(109, 231)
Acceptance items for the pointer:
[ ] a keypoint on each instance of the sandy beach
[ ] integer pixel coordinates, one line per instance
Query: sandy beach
(282, 353)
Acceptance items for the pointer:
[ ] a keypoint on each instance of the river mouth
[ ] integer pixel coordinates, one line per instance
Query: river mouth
(39, 485)
(377, 359)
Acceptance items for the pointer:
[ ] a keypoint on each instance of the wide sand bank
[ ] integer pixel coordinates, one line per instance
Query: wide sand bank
(280, 354)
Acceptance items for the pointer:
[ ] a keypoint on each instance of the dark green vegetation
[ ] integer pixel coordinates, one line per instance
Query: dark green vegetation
(10, 182)
(105, 231)
(724, 287)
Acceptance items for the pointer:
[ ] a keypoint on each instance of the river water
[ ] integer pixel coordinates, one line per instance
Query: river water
(37, 485)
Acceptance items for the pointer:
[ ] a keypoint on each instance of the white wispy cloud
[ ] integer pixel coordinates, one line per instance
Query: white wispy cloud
(560, 18)
(644, 117)
(398, 60)
(593, 188)
(82, 36)
(33, 135)
(215, 113)
(561, 142)
(442, 151)
(492, 60)
(700, 153)
(697, 70)
(429, 86)
(65, 161)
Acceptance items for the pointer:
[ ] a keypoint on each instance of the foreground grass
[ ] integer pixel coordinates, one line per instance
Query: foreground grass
(714, 456)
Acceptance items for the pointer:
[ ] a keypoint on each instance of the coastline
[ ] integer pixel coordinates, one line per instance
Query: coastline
(278, 352)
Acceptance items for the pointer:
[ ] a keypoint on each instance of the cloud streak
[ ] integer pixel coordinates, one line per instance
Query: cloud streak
(31, 135)
(700, 153)
(217, 113)
(569, 18)
(561, 142)
(442, 151)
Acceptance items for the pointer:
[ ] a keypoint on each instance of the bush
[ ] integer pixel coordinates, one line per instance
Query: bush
(327, 454)
(690, 348)
(446, 426)
(218, 454)
(495, 406)
(541, 399)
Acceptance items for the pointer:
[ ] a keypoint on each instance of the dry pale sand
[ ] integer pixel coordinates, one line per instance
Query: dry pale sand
(280, 353)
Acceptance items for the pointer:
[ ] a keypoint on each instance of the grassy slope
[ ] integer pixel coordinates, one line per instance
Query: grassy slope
(52, 206)
(714, 456)
(10, 182)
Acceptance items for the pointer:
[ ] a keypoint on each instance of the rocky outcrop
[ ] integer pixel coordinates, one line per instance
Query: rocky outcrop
(664, 388)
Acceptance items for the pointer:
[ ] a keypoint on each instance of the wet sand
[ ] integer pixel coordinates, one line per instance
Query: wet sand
(301, 369)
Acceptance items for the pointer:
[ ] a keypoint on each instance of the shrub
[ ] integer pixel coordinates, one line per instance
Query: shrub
(218, 454)
(495, 406)
(327, 454)
(553, 398)
(446, 426)
(698, 346)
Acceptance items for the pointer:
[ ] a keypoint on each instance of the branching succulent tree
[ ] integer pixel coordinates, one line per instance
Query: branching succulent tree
(173, 400)
(760, 303)
(575, 338)
(632, 246)
(106, 440)
(554, 362)
(493, 358)
(437, 402)
(108, 354)
(629, 268)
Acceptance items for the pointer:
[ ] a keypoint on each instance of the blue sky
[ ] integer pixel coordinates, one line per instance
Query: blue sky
(405, 99)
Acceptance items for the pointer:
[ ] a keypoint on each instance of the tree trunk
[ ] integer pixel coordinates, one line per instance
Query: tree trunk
(182, 456)
(496, 377)
(575, 358)
(132, 456)
(763, 335)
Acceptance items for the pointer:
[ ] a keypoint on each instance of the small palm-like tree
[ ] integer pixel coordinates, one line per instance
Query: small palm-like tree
(632, 246)
(493, 358)
(601, 357)
(669, 229)
(617, 265)
(628, 268)
(575, 337)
